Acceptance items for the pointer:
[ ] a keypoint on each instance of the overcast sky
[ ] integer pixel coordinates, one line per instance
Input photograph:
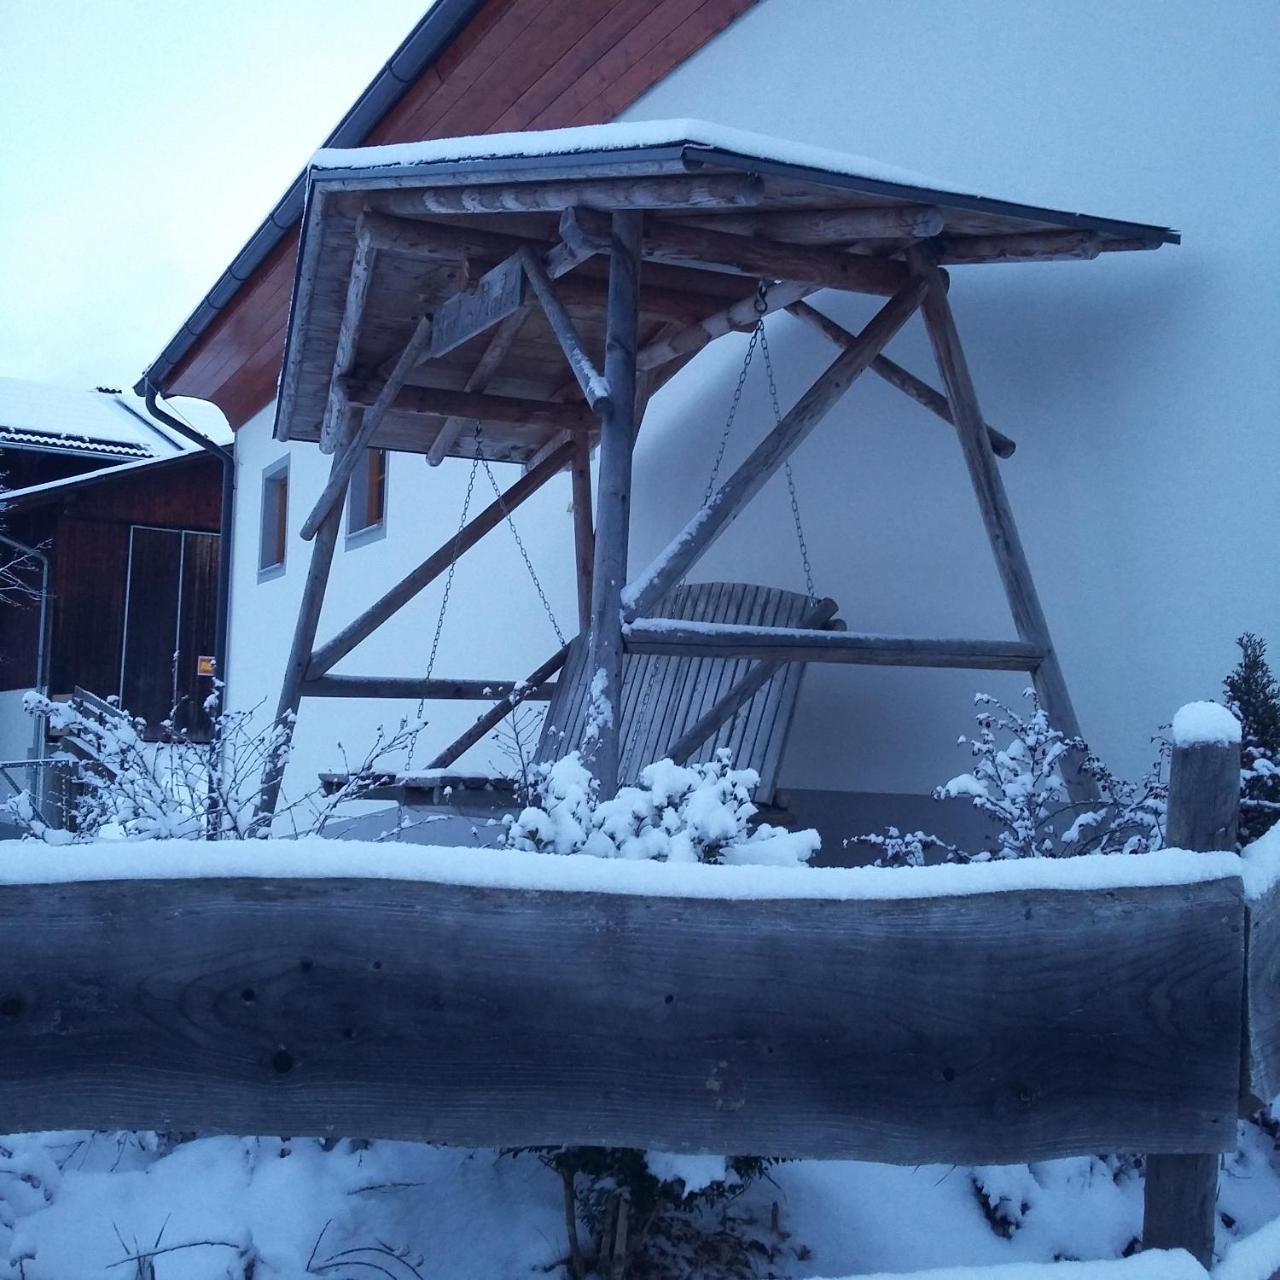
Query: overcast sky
(141, 142)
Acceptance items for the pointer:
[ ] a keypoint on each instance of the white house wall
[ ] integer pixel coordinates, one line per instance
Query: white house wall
(1142, 390)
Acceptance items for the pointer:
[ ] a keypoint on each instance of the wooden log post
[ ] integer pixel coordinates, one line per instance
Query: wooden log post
(304, 638)
(613, 499)
(584, 537)
(997, 517)
(1180, 1197)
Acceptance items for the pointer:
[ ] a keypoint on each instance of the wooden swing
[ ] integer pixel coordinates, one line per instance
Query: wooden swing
(467, 287)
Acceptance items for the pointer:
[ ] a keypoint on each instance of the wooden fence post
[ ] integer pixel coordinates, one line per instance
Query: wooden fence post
(1180, 1197)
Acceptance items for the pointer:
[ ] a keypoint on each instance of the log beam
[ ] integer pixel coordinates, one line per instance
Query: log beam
(566, 333)
(336, 422)
(412, 687)
(742, 314)
(440, 402)
(486, 370)
(829, 226)
(500, 710)
(613, 514)
(793, 644)
(997, 517)
(821, 267)
(919, 390)
(1038, 246)
(713, 191)
(732, 496)
(329, 654)
(584, 538)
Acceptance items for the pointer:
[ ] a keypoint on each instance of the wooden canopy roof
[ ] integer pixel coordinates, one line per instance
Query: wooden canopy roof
(426, 270)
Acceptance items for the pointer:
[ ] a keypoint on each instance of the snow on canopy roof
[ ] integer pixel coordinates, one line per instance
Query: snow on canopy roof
(656, 135)
(625, 136)
(35, 415)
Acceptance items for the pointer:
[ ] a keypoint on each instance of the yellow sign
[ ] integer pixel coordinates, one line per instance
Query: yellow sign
(206, 666)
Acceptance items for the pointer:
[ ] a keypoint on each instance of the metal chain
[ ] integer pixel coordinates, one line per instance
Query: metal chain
(791, 479)
(515, 533)
(733, 410)
(453, 564)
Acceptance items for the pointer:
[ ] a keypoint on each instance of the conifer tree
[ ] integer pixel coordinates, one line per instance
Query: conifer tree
(1254, 695)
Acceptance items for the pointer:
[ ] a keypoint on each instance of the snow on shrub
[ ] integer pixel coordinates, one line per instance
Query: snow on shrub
(1016, 783)
(677, 813)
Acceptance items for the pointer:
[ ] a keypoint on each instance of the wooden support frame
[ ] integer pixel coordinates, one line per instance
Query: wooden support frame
(584, 536)
(304, 638)
(613, 514)
(421, 688)
(500, 710)
(1181, 1191)
(894, 374)
(997, 517)
(728, 501)
(740, 693)
(334, 650)
(829, 226)
(593, 385)
(484, 372)
(714, 191)
(474, 406)
(784, 644)
(820, 266)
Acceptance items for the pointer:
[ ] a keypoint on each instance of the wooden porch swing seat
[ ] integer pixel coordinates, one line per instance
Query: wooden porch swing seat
(543, 290)
(682, 707)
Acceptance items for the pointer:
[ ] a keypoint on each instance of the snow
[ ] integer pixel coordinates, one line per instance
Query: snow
(1261, 863)
(35, 413)
(1205, 722)
(696, 1172)
(619, 137)
(84, 477)
(31, 862)
(1159, 1264)
(1257, 1257)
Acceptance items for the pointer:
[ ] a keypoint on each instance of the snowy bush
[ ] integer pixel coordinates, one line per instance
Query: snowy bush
(126, 787)
(1016, 783)
(658, 1214)
(646, 1214)
(1254, 696)
(677, 813)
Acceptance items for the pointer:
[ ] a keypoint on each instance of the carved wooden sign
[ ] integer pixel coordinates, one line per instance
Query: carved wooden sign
(497, 294)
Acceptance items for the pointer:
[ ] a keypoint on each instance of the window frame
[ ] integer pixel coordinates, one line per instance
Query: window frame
(359, 495)
(273, 513)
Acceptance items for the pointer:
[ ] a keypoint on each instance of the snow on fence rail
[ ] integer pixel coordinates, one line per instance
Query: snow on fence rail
(979, 1014)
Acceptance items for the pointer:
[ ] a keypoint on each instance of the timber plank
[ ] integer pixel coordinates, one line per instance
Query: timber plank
(986, 1029)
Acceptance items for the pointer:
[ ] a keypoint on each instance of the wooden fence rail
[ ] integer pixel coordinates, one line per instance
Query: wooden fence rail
(1076, 1009)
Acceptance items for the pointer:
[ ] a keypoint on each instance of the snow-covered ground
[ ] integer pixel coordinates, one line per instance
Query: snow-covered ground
(78, 1206)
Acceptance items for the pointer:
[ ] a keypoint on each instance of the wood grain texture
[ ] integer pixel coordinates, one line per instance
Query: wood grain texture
(1262, 1042)
(1204, 797)
(794, 645)
(1179, 1198)
(993, 1028)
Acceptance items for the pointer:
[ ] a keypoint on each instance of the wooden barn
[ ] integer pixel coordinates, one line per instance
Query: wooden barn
(112, 522)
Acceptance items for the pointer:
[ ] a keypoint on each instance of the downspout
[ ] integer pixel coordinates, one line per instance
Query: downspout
(227, 459)
(42, 654)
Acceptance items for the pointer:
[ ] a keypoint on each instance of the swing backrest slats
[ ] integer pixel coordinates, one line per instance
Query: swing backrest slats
(663, 696)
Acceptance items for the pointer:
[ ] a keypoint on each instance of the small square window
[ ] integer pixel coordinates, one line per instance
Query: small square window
(367, 497)
(274, 535)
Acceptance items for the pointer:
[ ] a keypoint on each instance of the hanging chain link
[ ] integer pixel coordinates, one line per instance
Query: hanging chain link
(524, 554)
(791, 479)
(453, 564)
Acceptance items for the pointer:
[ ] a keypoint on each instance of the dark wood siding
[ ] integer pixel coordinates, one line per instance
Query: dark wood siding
(519, 64)
(87, 537)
